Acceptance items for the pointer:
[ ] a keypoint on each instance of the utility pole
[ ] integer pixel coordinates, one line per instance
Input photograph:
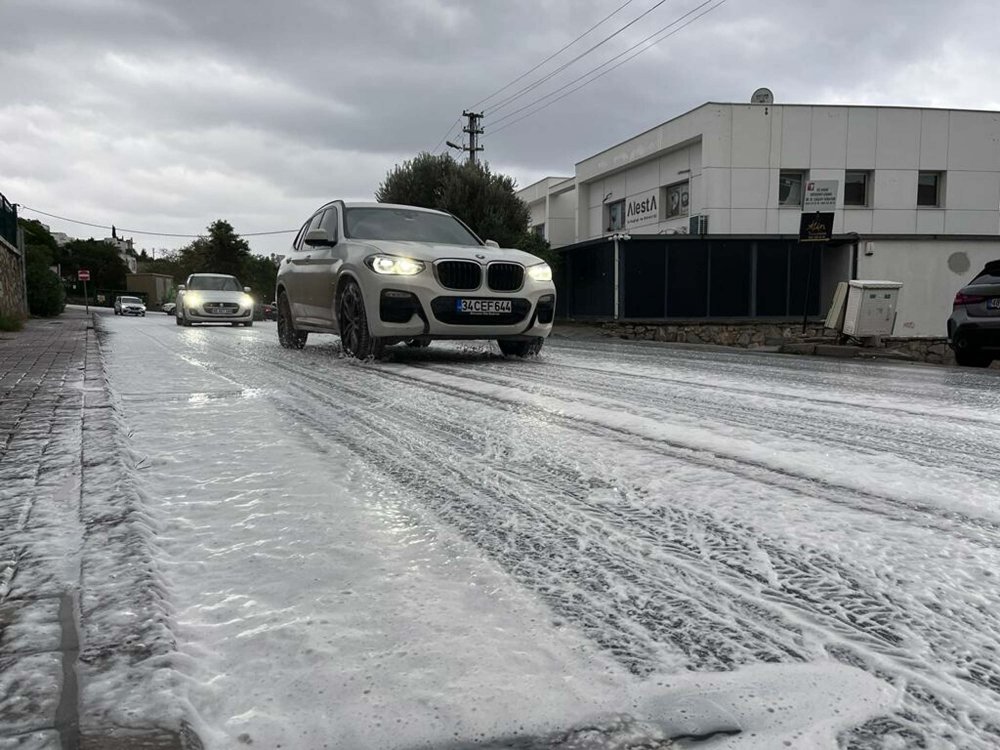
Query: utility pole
(474, 130)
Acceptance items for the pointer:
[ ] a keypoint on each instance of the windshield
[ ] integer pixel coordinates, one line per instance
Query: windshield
(131, 300)
(215, 283)
(401, 224)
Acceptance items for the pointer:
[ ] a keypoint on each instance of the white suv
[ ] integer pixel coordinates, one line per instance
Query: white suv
(381, 274)
(213, 298)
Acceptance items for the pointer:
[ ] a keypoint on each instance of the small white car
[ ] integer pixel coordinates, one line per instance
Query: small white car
(213, 298)
(381, 274)
(130, 306)
(168, 307)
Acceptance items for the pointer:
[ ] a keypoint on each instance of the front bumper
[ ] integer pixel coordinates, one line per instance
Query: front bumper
(403, 308)
(133, 311)
(200, 315)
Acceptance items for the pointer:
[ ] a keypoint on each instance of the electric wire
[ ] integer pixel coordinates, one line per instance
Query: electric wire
(553, 55)
(139, 231)
(508, 124)
(532, 86)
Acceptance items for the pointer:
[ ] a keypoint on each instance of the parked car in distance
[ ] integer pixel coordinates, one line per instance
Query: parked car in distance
(168, 307)
(130, 306)
(270, 311)
(974, 325)
(381, 274)
(213, 298)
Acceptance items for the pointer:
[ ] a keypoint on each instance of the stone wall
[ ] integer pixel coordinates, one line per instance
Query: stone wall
(788, 336)
(744, 335)
(13, 302)
(931, 350)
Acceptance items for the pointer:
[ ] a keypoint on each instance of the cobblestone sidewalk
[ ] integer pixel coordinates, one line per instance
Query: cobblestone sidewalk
(80, 609)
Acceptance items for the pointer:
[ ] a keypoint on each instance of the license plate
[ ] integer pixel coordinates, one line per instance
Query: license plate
(994, 304)
(483, 306)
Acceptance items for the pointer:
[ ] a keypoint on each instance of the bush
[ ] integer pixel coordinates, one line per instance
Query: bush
(46, 296)
(10, 323)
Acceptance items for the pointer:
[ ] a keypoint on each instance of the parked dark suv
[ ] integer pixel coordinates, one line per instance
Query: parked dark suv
(974, 325)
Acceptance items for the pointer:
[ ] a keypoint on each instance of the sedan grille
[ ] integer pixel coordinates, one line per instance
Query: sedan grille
(459, 274)
(505, 277)
(223, 308)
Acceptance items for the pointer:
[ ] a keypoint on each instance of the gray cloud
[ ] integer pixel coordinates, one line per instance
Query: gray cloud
(168, 115)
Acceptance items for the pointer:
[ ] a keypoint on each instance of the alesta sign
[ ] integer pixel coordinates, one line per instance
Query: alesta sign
(642, 209)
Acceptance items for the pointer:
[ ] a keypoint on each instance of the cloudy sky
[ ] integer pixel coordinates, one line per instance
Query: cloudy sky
(163, 115)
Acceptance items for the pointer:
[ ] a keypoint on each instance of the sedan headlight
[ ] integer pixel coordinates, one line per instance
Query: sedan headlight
(541, 272)
(393, 265)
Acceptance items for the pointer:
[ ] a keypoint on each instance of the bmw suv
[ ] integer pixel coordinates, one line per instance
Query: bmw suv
(381, 274)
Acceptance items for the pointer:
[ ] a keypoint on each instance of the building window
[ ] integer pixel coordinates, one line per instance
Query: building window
(856, 189)
(539, 229)
(616, 216)
(790, 188)
(929, 189)
(677, 200)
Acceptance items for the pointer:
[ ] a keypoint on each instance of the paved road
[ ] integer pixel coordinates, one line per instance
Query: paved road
(667, 509)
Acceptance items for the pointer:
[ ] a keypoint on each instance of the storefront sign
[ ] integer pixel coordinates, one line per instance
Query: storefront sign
(643, 208)
(816, 227)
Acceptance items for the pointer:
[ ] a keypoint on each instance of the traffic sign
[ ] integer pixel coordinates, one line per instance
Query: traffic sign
(83, 275)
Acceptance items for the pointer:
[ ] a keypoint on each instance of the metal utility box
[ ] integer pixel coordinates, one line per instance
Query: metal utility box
(871, 308)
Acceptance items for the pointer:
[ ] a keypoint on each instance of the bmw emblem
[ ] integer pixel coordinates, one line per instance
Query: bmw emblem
(481, 257)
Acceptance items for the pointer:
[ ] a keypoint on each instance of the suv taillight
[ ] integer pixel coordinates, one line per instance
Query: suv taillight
(967, 299)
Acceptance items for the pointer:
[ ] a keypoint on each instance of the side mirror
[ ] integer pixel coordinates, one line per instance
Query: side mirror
(180, 287)
(319, 238)
(246, 289)
(492, 243)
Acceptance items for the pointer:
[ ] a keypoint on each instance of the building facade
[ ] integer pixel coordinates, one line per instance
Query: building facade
(918, 198)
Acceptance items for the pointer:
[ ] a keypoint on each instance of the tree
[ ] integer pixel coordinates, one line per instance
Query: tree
(260, 274)
(107, 269)
(483, 199)
(46, 296)
(221, 251)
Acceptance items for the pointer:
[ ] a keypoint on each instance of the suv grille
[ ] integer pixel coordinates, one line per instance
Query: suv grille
(444, 310)
(459, 274)
(505, 277)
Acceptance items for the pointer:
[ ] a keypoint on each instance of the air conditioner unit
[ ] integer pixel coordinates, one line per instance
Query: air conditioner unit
(699, 224)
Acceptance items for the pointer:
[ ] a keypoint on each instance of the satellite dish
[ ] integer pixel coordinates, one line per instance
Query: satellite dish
(762, 96)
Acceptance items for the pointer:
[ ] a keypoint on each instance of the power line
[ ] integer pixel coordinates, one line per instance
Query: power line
(532, 86)
(154, 234)
(445, 136)
(607, 62)
(553, 55)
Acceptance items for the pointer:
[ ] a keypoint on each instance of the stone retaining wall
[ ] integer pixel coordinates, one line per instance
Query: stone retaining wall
(744, 335)
(755, 334)
(13, 302)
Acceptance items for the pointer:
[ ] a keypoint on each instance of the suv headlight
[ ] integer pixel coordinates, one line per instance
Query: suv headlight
(541, 272)
(393, 265)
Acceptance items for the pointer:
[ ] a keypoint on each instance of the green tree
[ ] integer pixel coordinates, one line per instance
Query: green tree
(107, 269)
(260, 274)
(483, 199)
(220, 251)
(46, 296)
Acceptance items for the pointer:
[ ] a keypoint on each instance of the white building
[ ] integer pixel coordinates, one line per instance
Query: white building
(918, 201)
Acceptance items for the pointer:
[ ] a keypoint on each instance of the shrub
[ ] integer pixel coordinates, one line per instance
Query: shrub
(46, 296)
(10, 323)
